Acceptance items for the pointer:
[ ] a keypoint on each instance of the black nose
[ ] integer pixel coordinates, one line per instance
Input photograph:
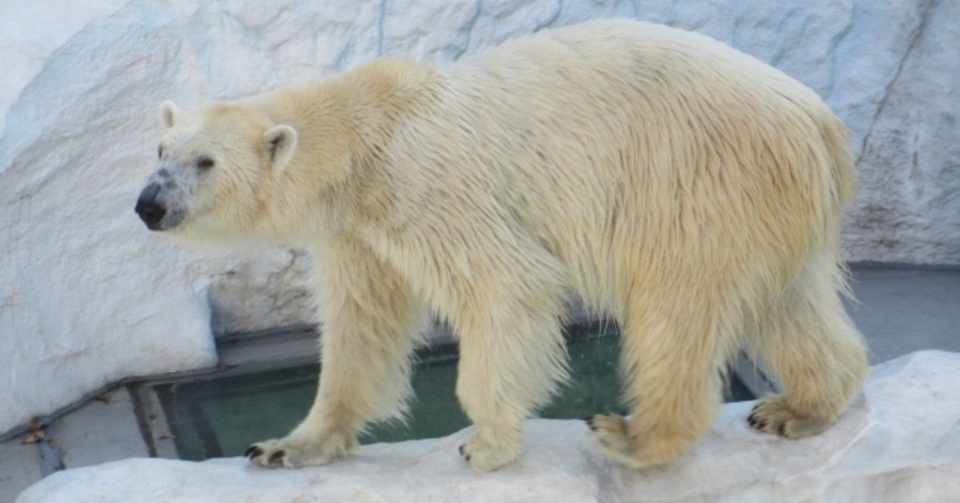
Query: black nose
(150, 211)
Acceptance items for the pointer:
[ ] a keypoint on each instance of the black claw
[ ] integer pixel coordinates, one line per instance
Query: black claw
(460, 449)
(752, 420)
(761, 424)
(589, 421)
(467, 457)
(782, 429)
(277, 456)
(253, 452)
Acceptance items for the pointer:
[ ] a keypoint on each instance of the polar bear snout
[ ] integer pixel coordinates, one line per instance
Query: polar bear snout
(150, 209)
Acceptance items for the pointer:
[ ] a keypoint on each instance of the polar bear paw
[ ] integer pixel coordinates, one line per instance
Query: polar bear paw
(774, 415)
(611, 434)
(486, 453)
(295, 451)
(657, 447)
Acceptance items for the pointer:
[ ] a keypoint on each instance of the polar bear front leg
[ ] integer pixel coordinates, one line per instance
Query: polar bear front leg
(512, 356)
(371, 323)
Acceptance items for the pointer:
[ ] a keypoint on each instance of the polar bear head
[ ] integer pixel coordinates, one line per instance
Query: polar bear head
(214, 169)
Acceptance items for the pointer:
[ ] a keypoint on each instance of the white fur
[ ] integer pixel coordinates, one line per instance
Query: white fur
(686, 189)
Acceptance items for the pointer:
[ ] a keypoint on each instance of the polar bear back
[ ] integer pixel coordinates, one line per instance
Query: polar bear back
(622, 147)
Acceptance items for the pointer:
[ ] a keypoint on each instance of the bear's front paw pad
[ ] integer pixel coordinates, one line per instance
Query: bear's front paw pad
(291, 453)
(773, 415)
(273, 453)
(486, 456)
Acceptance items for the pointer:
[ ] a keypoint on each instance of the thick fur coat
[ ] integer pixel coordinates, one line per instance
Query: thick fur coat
(681, 187)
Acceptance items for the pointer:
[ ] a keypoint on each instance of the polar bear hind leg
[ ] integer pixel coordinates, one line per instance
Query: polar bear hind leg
(675, 349)
(809, 343)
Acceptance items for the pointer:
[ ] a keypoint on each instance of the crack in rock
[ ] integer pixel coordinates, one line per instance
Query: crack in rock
(888, 90)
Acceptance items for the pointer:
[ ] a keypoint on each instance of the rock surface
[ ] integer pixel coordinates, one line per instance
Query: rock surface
(87, 296)
(900, 443)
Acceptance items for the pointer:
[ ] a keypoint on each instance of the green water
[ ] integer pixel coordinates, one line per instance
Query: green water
(222, 417)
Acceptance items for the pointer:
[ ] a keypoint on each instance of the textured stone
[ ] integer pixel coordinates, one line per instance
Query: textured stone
(87, 296)
(899, 443)
(260, 294)
(908, 208)
(20, 466)
(100, 431)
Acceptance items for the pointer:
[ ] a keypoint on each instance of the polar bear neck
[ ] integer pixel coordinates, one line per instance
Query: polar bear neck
(344, 125)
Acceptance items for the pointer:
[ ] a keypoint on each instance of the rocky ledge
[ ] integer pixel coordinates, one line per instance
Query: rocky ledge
(898, 443)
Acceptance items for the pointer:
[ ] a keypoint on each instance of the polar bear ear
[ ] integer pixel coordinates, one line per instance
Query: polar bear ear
(282, 144)
(168, 114)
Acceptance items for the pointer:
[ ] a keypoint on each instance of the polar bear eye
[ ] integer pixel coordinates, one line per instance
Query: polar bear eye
(205, 163)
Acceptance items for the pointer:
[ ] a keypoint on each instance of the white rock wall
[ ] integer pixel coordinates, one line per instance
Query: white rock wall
(87, 296)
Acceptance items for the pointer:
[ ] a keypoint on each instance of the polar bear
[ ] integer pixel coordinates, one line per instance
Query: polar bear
(683, 188)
